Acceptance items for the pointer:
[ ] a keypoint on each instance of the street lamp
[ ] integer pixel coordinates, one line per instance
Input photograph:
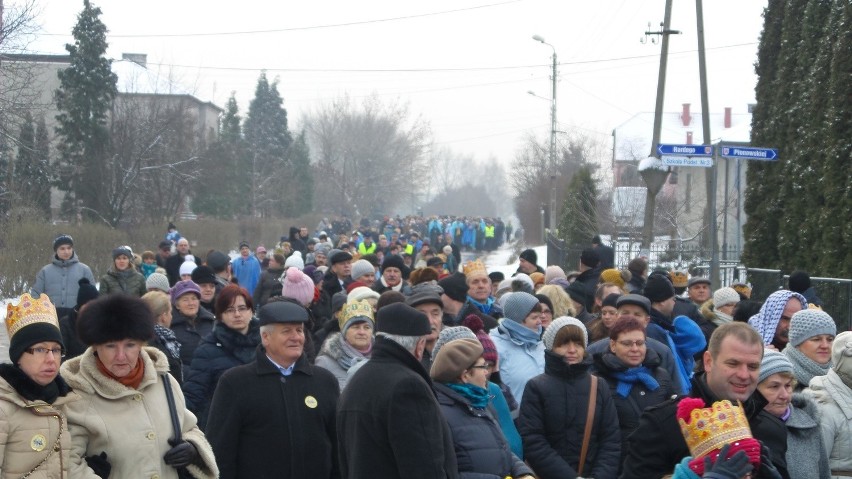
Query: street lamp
(539, 39)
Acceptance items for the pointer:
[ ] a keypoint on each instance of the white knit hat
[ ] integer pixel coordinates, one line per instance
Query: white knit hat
(295, 261)
(559, 323)
(187, 267)
(725, 296)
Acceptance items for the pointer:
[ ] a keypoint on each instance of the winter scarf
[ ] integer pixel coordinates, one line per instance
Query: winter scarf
(148, 269)
(722, 318)
(484, 307)
(477, 396)
(168, 338)
(766, 320)
(626, 380)
(31, 390)
(805, 368)
(351, 356)
(520, 333)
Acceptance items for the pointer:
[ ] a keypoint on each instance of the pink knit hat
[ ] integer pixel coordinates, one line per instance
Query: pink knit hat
(297, 286)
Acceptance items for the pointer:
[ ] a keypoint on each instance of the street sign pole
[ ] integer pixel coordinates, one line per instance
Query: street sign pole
(714, 241)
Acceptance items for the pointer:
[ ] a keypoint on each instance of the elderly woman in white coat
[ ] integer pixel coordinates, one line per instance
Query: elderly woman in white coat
(122, 426)
(833, 394)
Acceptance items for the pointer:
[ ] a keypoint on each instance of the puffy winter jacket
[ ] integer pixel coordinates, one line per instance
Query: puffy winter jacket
(129, 282)
(553, 419)
(518, 363)
(834, 399)
(219, 351)
(481, 450)
(58, 280)
(190, 331)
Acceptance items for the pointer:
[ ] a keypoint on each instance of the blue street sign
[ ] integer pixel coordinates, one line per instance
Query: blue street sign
(749, 153)
(685, 150)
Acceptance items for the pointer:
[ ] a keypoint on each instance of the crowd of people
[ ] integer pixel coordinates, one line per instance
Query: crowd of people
(376, 352)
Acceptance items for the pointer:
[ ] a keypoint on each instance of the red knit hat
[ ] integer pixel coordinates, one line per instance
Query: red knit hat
(489, 351)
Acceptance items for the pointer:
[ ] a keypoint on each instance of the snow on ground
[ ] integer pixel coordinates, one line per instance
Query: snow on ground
(496, 261)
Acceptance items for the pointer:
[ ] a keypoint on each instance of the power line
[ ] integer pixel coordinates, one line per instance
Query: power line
(450, 69)
(310, 27)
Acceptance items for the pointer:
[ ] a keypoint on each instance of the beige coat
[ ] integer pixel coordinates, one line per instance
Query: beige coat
(132, 426)
(33, 436)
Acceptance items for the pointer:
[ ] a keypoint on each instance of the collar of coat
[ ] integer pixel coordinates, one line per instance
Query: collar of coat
(265, 367)
(82, 374)
(386, 350)
(752, 406)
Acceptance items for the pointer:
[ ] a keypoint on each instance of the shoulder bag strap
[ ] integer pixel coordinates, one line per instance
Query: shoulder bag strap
(590, 418)
(170, 398)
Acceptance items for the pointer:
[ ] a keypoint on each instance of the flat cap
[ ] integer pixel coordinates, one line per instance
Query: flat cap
(282, 312)
(403, 320)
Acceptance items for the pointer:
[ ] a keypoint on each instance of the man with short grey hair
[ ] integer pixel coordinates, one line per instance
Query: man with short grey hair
(389, 424)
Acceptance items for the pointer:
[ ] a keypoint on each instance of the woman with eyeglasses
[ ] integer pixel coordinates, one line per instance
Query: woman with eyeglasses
(634, 375)
(33, 395)
(233, 342)
(460, 376)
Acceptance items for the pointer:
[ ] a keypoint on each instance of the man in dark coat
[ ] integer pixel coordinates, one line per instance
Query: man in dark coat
(174, 262)
(605, 253)
(388, 419)
(275, 417)
(732, 366)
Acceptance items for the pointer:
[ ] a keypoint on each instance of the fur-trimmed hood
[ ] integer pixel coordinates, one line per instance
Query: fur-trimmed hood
(82, 374)
(331, 347)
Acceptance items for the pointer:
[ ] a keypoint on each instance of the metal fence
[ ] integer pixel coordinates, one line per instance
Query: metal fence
(836, 293)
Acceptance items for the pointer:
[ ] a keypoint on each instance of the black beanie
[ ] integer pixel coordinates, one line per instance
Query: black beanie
(799, 282)
(455, 286)
(590, 258)
(203, 275)
(32, 334)
(658, 288)
(530, 256)
(86, 293)
(61, 240)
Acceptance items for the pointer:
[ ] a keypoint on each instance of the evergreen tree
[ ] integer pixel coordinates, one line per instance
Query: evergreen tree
(297, 198)
(22, 171)
(761, 229)
(225, 183)
(578, 222)
(268, 140)
(85, 95)
(42, 179)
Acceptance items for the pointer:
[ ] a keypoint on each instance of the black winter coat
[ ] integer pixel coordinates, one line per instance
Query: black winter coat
(553, 419)
(389, 423)
(264, 426)
(481, 449)
(268, 286)
(68, 327)
(630, 408)
(219, 351)
(190, 331)
(658, 445)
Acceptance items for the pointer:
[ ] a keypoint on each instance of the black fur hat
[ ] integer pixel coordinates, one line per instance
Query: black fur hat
(113, 318)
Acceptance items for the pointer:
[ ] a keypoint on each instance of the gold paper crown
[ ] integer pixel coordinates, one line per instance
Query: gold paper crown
(472, 268)
(713, 427)
(679, 278)
(30, 311)
(356, 309)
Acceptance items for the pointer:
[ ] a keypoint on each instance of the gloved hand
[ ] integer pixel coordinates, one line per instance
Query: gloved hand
(99, 464)
(767, 469)
(181, 454)
(733, 467)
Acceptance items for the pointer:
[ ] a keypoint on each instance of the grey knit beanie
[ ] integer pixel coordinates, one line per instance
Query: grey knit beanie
(773, 362)
(362, 267)
(450, 334)
(518, 306)
(157, 281)
(559, 323)
(808, 323)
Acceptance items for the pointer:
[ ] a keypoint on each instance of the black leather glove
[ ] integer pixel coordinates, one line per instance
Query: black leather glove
(767, 469)
(99, 464)
(181, 454)
(733, 467)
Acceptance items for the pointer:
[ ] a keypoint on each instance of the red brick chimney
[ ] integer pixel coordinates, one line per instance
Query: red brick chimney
(685, 117)
(727, 117)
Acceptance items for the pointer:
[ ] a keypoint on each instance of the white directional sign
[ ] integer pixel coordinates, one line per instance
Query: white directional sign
(687, 161)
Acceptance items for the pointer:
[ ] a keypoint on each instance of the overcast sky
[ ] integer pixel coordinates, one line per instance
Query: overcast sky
(464, 65)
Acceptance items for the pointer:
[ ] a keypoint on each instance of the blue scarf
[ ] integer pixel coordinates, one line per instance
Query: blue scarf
(521, 333)
(626, 380)
(477, 396)
(485, 308)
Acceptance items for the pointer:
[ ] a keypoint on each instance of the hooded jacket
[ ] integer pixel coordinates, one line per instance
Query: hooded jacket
(132, 426)
(59, 280)
(834, 399)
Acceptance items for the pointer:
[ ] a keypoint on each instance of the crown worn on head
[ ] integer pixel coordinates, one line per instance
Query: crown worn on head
(357, 308)
(711, 428)
(473, 268)
(29, 311)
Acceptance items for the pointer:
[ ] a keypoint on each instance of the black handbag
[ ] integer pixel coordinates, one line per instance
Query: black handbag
(170, 398)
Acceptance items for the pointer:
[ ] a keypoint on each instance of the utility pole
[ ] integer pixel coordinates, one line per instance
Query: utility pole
(654, 178)
(711, 179)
